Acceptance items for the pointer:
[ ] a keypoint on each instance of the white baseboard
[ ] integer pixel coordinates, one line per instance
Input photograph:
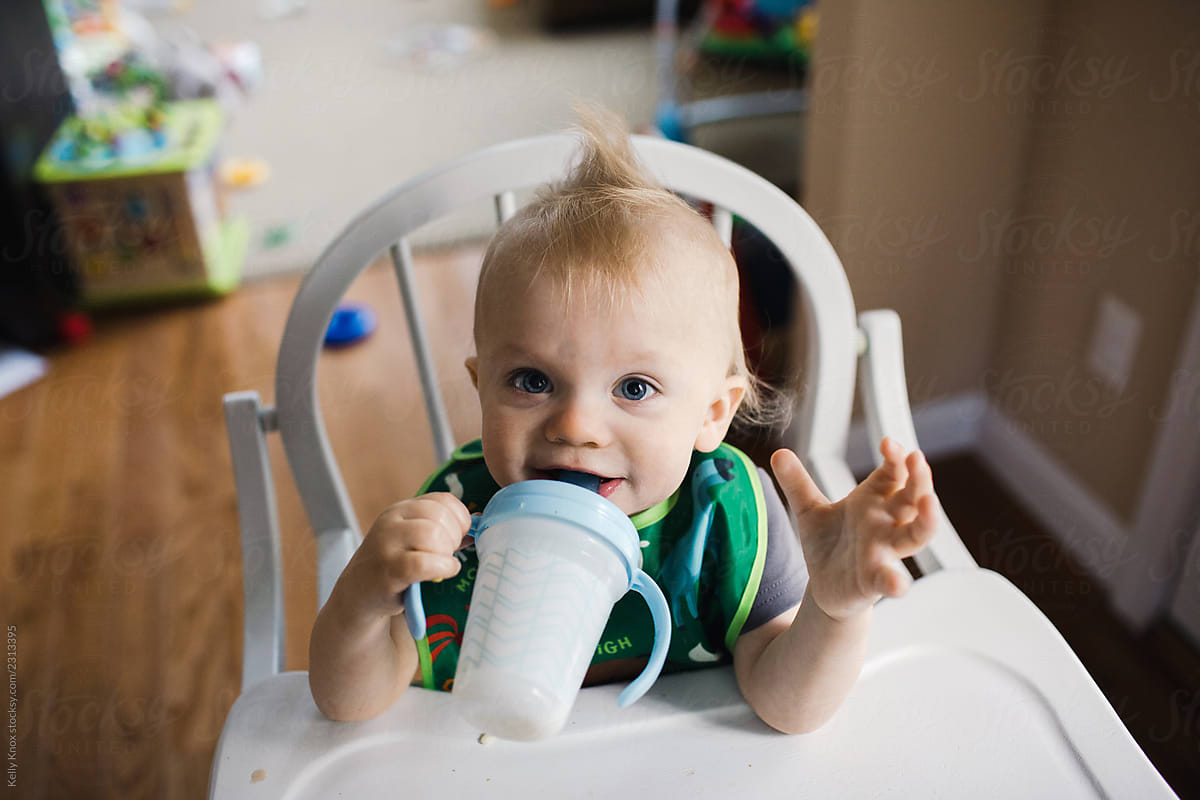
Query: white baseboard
(1079, 520)
(1074, 516)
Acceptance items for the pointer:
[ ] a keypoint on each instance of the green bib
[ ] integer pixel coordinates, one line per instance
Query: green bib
(704, 546)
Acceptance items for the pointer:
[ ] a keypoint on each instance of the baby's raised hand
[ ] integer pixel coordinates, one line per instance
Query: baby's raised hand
(853, 547)
(411, 541)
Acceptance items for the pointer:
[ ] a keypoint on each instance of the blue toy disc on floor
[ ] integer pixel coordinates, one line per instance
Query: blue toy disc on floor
(350, 324)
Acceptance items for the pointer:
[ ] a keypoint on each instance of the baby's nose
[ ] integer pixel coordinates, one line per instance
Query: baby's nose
(578, 424)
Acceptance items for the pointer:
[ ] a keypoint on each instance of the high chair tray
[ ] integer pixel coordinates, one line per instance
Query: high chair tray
(967, 690)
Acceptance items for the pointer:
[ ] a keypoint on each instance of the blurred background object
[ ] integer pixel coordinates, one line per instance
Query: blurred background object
(36, 282)
(110, 132)
(569, 15)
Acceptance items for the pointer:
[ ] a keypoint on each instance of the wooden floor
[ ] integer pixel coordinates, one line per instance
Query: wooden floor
(120, 551)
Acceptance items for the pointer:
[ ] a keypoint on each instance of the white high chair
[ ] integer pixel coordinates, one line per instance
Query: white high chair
(967, 688)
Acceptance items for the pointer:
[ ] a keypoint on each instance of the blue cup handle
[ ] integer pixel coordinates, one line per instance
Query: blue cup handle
(414, 608)
(414, 611)
(644, 585)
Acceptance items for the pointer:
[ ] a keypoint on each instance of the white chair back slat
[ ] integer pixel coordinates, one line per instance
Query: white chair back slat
(435, 406)
(723, 222)
(506, 206)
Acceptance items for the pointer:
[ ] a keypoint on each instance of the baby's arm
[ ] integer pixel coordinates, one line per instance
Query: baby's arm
(796, 669)
(361, 656)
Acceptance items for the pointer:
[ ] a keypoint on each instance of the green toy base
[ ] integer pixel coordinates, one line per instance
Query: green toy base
(780, 48)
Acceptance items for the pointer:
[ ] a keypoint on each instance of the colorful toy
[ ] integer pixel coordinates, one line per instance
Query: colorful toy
(761, 29)
(81, 17)
(778, 32)
(129, 76)
(351, 323)
(244, 173)
(134, 189)
(124, 134)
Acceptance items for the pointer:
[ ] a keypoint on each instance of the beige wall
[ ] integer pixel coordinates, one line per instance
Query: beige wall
(990, 171)
(1114, 176)
(905, 155)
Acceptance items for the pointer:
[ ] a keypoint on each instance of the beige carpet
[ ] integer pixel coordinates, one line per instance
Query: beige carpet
(341, 118)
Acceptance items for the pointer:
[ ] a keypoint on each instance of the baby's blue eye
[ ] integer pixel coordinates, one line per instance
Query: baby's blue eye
(636, 389)
(530, 381)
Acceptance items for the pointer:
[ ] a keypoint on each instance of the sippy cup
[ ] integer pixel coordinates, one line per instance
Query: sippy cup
(553, 559)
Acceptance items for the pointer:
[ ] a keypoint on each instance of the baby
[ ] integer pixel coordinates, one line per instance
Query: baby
(607, 342)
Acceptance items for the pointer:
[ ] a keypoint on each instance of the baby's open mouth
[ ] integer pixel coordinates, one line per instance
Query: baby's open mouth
(606, 488)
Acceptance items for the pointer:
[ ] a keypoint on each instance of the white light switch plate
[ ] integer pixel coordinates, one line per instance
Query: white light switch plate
(1114, 342)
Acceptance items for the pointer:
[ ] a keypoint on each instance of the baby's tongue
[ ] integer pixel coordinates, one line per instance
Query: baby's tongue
(583, 479)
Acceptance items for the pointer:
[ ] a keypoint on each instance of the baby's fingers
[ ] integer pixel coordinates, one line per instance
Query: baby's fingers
(911, 537)
(892, 579)
(416, 566)
(798, 486)
(444, 508)
(902, 505)
(424, 535)
(889, 476)
(413, 550)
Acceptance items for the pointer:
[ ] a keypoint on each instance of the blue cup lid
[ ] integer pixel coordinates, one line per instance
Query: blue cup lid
(574, 504)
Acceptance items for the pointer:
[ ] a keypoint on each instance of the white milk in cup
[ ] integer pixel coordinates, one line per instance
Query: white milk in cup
(553, 559)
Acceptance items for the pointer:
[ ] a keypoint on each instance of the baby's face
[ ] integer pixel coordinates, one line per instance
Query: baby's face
(624, 393)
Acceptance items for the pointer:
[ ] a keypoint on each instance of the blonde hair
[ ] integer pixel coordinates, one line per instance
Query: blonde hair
(600, 232)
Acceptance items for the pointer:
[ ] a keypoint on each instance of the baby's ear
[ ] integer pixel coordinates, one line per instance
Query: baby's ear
(720, 414)
(472, 365)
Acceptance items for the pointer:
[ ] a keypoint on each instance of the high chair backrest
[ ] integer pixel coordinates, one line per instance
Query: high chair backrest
(820, 423)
